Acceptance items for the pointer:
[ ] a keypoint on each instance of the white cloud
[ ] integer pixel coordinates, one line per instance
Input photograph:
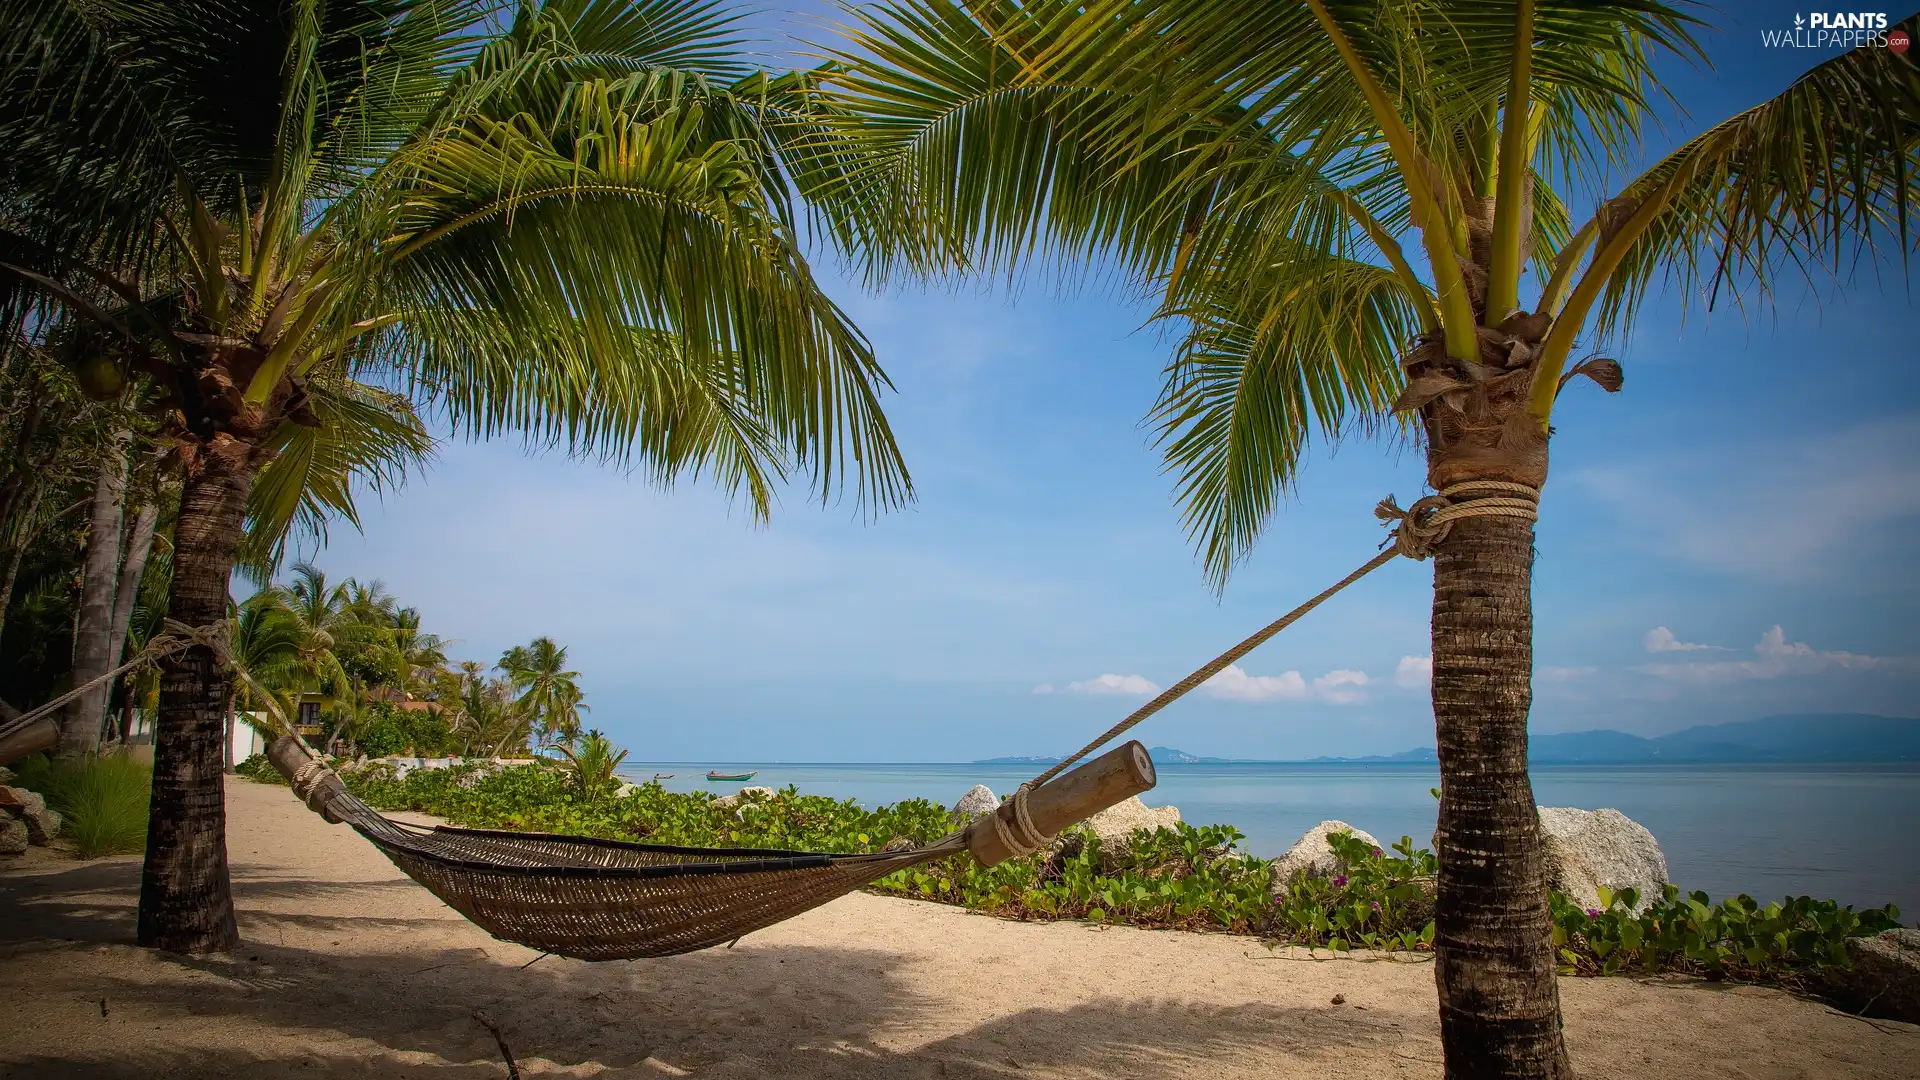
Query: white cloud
(1235, 684)
(1773, 657)
(1661, 639)
(1414, 672)
(1340, 687)
(1108, 683)
(1557, 673)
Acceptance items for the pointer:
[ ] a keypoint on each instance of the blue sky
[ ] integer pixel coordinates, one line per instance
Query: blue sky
(1729, 537)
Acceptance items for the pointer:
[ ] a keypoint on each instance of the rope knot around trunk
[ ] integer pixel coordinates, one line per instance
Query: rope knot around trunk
(316, 784)
(1022, 837)
(1421, 528)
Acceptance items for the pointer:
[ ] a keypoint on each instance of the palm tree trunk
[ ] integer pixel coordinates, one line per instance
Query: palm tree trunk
(1499, 1001)
(93, 631)
(186, 899)
(132, 569)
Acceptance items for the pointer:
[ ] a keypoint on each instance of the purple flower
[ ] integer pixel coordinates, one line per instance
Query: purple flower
(1377, 851)
(1593, 913)
(1340, 881)
(1376, 905)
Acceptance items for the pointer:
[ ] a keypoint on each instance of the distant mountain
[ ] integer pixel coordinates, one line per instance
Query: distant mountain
(1810, 738)
(1426, 755)
(1167, 755)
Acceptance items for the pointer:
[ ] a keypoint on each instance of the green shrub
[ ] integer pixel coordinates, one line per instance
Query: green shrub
(261, 771)
(383, 729)
(102, 801)
(1374, 900)
(1737, 938)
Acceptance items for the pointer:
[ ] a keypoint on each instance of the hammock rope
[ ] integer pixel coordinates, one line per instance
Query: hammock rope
(178, 636)
(598, 899)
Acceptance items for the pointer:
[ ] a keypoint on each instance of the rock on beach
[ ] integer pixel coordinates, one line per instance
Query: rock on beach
(1589, 849)
(13, 835)
(1885, 977)
(1112, 828)
(979, 800)
(744, 795)
(1312, 855)
(30, 809)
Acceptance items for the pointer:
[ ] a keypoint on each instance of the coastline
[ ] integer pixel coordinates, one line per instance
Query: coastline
(1769, 830)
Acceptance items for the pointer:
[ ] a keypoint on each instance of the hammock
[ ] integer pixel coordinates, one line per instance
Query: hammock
(595, 899)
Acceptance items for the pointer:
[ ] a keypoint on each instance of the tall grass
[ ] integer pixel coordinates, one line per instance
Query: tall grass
(102, 801)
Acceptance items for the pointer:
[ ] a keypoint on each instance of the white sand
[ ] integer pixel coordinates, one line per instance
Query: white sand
(349, 969)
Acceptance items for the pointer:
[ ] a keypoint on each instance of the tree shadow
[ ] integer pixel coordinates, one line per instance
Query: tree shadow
(96, 902)
(785, 1011)
(393, 995)
(769, 1011)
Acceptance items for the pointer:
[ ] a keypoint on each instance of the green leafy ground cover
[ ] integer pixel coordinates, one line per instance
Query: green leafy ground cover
(1189, 877)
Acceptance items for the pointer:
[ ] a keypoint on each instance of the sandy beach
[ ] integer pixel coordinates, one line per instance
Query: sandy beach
(349, 969)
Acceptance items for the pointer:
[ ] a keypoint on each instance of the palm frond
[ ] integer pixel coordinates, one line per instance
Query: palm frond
(365, 440)
(1271, 356)
(1817, 176)
(581, 239)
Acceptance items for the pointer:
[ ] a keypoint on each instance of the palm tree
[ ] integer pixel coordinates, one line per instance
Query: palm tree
(266, 642)
(482, 711)
(570, 224)
(549, 693)
(1325, 195)
(593, 768)
(325, 625)
(422, 655)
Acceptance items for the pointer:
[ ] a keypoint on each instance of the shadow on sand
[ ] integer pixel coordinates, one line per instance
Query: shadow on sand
(381, 1006)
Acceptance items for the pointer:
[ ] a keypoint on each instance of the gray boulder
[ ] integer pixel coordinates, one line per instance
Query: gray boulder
(31, 808)
(1885, 977)
(1312, 856)
(744, 795)
(470, 778)
(978, 801)
(13, 835)
(42, 825)
(1588, 849)
(1111, 830)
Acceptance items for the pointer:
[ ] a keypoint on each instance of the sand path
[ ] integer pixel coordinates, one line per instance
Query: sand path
(349, 969)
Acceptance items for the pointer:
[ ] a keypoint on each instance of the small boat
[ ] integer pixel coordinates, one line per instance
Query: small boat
(663, 776)
(716, 776)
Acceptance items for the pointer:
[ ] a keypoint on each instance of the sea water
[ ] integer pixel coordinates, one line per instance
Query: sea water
(1844, 832)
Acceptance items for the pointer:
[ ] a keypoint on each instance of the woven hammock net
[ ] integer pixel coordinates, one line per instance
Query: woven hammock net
(595, 899)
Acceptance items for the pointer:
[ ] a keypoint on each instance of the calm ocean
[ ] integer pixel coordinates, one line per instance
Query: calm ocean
(1848, 832)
